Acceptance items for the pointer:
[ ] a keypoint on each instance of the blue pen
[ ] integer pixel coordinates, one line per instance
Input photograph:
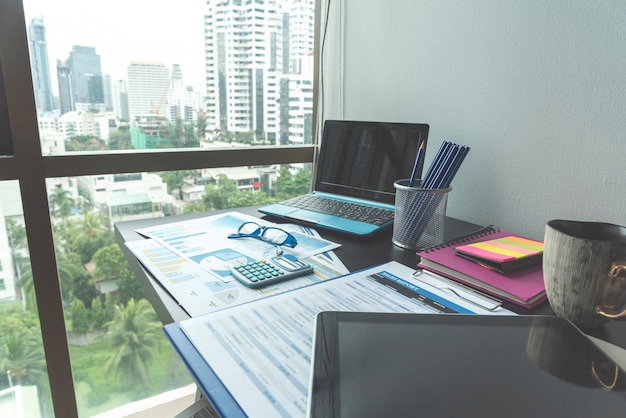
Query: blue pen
(418, 159)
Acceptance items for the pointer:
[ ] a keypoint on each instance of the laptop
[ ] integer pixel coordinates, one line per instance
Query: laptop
(452, 365)
(358, 163)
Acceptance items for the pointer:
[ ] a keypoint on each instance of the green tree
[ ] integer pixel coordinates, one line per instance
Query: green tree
(284, 186)
(288, 185)
(201, 126)
(19, 247)
(61, 203)
(84, 143)
(128, 288)
(134, 334)
(109, 306)
(21, 356)
(218, 195)
(172, 132)
(68, 266)
(120, 138)
(79, 316)
(87, 235)
(176, 179)
(112, 265)
(190, 136)
(246, 198)
(244, 137)
(302, 182)
(21, 349)
(84, 288)
(98, 314)
(195, 207)
(16, 233)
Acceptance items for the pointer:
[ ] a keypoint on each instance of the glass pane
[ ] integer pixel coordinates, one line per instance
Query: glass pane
(118, 351)
(147, 74)
(100, 291)
(124, 197)
(24, 385)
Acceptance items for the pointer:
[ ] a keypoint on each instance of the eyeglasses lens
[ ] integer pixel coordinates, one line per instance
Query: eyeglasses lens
(249, 228)
(274, 235)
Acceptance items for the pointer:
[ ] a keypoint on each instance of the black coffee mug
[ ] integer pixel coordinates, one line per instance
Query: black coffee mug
(584, 270)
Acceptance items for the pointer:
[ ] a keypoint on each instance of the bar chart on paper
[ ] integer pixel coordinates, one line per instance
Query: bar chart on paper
(199, 291)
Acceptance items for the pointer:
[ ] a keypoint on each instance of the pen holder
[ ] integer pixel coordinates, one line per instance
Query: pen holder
(419, 217)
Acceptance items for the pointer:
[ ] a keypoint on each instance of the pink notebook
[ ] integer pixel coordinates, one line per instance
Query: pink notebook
(523, 287)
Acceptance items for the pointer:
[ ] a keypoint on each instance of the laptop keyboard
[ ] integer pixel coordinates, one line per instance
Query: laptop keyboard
(347, 210)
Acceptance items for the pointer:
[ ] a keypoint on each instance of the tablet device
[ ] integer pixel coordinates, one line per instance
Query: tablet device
(449, 365)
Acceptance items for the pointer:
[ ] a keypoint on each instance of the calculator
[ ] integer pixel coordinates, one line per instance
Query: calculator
(262, 273)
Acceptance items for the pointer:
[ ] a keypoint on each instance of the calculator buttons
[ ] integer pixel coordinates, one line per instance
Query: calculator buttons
(262, 273)
(258, 271)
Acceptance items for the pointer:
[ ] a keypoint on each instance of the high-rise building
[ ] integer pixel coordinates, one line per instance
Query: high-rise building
(301, 33)
(148, 87)
(181, 100)
(107, 90)
(120, 100)
(296, 97)
(86, 77)
(243, 41)
(39, 65)
(80, 81)
(66, 92)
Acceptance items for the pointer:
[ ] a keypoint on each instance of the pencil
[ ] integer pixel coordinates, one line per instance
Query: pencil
(418, 159)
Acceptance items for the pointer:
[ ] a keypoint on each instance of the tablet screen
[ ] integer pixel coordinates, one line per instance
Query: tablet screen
(397, 365)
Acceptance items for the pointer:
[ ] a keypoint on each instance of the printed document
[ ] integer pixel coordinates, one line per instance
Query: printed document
(205, 241)
(261, 351)
(199, 292)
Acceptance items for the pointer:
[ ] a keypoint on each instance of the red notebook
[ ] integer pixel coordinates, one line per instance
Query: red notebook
(523, 287)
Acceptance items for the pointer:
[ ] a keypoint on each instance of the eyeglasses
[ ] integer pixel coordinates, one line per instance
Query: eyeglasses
(267, 234)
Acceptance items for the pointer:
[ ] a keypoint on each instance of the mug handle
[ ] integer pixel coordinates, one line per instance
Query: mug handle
(598, 379)
(617, 271)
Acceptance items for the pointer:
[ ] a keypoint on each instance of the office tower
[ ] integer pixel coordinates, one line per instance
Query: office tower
(86, 78)
(148, 86)
(120, 100)
(66, 92)
(243, 43)
(39, 65)
(181, 101)
(107, 92)
(296, 85)
(301, 38)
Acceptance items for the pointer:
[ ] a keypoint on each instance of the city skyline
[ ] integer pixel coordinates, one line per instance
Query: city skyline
(182, 43)
(256, 69)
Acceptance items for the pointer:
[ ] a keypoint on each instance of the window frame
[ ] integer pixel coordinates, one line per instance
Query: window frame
(30, 168)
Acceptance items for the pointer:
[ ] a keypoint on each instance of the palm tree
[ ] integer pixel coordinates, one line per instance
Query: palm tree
(21, 357)
(19, 250)
(68, 267)
(86, 235)
(134, 334)
(61, 203)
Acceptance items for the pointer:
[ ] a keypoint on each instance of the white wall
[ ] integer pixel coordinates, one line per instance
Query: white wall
(536, 88)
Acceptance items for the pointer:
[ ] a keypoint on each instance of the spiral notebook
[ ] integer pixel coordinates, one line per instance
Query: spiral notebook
(523, 287)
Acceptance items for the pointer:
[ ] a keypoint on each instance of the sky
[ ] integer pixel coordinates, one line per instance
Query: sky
(125, 30)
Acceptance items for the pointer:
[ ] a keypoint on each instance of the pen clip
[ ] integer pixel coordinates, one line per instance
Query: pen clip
(472, 296)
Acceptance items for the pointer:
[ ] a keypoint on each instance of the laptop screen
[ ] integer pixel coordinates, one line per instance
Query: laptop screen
(363, 159)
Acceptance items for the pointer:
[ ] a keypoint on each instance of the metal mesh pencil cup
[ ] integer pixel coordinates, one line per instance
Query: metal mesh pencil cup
(419, 216)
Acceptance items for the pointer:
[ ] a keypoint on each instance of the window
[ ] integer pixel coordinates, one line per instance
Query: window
(109, 121)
